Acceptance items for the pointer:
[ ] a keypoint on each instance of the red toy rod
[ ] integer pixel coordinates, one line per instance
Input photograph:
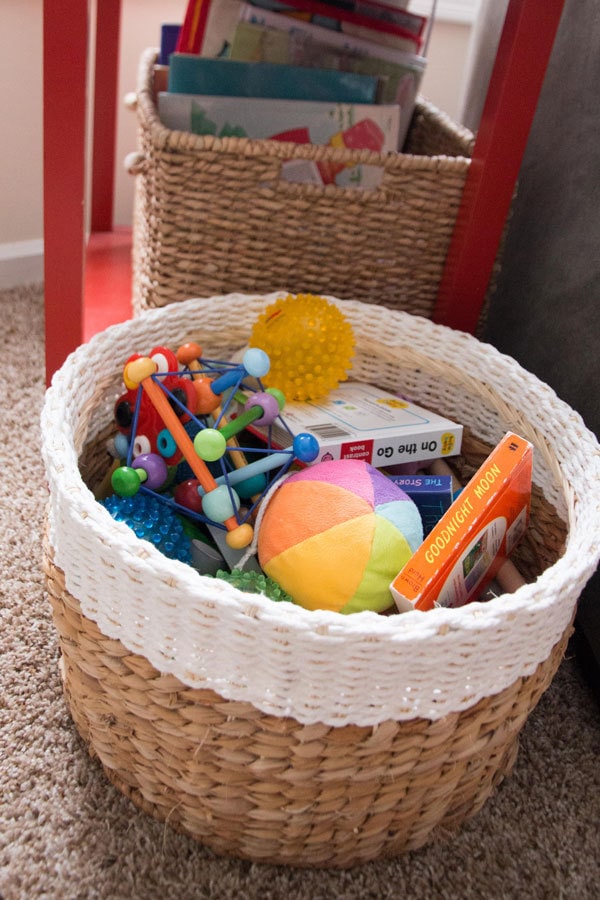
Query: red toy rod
(523, 53)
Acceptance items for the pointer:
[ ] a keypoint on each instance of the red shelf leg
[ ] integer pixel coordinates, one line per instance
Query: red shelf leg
(108, 31)
(524, 51)
(65, 32)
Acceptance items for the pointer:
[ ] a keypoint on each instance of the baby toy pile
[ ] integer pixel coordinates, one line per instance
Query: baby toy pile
(279, 475)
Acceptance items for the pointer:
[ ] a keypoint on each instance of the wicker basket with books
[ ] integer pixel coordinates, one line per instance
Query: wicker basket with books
(213, 214)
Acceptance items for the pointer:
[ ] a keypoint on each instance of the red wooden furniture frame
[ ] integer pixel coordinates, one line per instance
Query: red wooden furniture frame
(524, 50)
(66, 53)
(522, 58)
(65, 60)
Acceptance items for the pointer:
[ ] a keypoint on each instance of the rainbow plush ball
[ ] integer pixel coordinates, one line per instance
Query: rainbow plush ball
(336, 534)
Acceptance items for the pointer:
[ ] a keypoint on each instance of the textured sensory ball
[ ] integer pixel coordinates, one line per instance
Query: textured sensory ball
(152, 520)
(310, 344)
(335, 535)
(254, 583)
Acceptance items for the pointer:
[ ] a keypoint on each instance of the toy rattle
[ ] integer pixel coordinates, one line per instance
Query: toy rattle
(139, 372)
(202, 435)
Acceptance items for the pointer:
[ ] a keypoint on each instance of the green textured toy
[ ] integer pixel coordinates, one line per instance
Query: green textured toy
(253, 582)
(309, 342)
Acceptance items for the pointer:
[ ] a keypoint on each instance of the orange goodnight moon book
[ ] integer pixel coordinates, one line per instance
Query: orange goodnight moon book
(474, 537)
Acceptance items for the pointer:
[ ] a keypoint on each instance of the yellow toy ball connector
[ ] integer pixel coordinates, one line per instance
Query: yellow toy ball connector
(309, 342)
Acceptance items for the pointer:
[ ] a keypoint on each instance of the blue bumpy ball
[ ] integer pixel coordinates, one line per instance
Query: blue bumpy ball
(152, 520)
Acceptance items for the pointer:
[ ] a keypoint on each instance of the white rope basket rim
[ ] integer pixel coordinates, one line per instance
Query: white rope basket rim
(317, 666)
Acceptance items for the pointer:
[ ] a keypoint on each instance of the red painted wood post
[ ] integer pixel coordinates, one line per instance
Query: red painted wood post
(65, 31)
(106, 79)
(523, 53)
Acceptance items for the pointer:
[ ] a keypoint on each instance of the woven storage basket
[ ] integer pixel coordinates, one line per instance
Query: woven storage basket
(212, 215)
(311, 738)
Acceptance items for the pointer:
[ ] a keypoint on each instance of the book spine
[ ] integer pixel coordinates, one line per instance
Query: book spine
(254, 15)
(314, 7)
(190, 74)
(412, 22)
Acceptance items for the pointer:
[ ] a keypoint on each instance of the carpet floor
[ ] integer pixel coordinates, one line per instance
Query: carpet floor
(65, 832)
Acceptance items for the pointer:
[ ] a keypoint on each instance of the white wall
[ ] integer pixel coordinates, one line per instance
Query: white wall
(21, 117)
(140, 28)
(21, 113)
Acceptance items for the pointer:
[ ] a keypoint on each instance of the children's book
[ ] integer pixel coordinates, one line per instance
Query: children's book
(209, 24)
(309, 31)
(397, 14)
(432, 495)
(356, 126)
(361, 421)
(191, 74)
(467, 547)
(379, 21)
(398, 81)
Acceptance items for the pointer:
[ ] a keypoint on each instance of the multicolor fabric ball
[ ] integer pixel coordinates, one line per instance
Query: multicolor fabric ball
(336, 534)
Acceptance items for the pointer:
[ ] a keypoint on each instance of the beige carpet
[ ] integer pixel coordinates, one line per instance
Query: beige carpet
(66, 833)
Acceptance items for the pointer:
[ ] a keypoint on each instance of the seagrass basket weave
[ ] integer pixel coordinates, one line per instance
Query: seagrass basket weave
(277, 734)
(213, 215)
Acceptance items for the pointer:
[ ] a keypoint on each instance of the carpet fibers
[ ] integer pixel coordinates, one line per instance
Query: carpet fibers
(65, 832)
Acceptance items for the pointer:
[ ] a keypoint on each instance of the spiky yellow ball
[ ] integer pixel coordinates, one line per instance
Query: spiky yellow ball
(310, 344)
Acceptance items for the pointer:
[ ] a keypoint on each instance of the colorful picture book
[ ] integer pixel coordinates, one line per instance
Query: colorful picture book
(476, 535)
(267, 37)
(374, 18)
(191, 74)
(308, 31)
(208, 24)
(355, 126)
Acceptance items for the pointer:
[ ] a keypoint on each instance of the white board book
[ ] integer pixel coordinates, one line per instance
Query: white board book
(361, 421)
